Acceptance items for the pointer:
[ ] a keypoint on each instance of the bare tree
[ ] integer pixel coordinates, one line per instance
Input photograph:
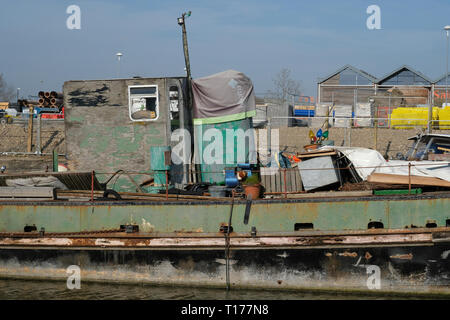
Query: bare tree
(284, 86)
(6, 92)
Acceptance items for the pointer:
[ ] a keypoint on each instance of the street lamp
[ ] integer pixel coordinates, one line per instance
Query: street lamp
(447, 30)
(18, 89)
(181, 22)
(119, 55)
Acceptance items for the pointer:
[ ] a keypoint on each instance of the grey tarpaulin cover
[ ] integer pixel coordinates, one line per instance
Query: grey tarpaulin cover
(223, 97)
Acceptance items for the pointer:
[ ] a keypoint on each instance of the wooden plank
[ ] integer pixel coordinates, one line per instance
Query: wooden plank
(404, 179)
(288, 180)
(27, 192)
(315, 154)
(273, 183)
(281, 181)
(298, 178)
(331, 194)
(291, 179)
(264, 182)
(287, 177)
(294, 178)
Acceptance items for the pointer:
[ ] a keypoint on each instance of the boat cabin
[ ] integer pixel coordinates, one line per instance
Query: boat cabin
(112, 125)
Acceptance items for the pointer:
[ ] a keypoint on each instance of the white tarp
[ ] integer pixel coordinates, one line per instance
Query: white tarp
(48, 181)
(368, 161)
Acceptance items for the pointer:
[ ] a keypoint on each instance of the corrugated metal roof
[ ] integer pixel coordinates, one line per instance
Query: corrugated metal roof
(347, 66)
(398, 70)
(442, 78)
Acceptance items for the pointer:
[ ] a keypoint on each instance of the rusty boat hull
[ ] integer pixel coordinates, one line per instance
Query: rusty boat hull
(289, 244)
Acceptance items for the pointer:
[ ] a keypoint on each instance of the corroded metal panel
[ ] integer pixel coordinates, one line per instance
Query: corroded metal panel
(186, 216)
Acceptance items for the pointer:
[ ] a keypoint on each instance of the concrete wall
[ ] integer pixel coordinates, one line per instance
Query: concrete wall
(278, 112)
(295, 138)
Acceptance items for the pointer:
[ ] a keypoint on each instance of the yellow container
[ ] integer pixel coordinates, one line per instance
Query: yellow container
(444, 118)
(407, 118)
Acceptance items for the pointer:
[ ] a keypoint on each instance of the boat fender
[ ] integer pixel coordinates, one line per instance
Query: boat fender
(113, 193)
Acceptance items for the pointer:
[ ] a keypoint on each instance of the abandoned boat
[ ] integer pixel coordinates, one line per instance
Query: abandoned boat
(129, 210)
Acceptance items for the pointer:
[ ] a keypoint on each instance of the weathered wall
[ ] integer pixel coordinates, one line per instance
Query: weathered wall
(100, 134)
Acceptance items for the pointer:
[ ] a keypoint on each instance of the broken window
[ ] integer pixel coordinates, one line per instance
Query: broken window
(143, 103)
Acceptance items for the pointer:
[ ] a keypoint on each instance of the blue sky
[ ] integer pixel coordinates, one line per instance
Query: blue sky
(257, 37)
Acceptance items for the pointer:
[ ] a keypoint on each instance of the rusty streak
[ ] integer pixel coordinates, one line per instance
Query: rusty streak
(408, 256)
(214, 242)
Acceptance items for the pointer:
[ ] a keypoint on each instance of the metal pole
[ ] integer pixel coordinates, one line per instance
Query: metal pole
(269, 140)
(38, 147)
(30, 129)
(446, 74)
(167, 186)
(409, 177)
(92, 185)
(186, 51)
(182, 23)
(430, 114)
(55, 160)
(389, 114)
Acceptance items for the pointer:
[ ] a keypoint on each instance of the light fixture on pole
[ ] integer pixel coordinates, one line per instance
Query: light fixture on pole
(447, 30)
(18, 89)
(181, 21)
(119, 55)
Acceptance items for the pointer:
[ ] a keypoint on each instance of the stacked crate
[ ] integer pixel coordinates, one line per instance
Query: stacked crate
(342, 116)
(305, 113)
(364, 115)
(322, 110)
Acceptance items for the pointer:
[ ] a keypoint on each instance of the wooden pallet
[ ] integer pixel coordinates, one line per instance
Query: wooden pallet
(281, 180)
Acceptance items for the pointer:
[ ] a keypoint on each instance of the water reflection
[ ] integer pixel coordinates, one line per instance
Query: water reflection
(49, 290)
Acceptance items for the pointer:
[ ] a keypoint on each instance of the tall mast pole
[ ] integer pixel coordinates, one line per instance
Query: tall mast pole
(182, 23)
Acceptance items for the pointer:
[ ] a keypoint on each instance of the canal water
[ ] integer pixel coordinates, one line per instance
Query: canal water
(49, 290)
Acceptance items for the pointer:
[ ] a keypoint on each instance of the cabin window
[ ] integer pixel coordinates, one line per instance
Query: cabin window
(143, 103)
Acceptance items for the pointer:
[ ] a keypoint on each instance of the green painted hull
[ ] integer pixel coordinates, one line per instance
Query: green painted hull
(208, 216)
